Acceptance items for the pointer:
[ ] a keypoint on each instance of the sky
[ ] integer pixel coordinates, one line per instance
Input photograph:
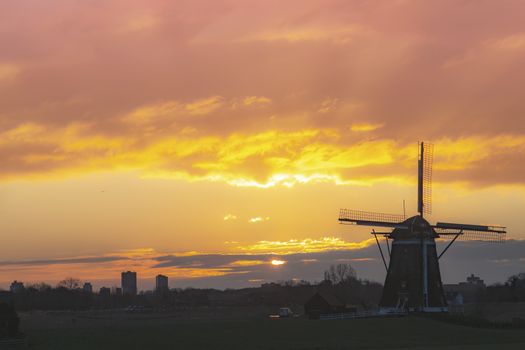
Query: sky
(205, 139)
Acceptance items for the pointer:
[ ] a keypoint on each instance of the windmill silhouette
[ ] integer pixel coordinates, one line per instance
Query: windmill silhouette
(413, 280)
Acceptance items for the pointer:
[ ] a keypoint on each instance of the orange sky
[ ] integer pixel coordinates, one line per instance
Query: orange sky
(219, 126)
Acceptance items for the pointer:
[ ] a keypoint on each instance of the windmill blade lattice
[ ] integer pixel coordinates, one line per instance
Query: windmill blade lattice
(471, 235)
(427, 177)
(354, 216)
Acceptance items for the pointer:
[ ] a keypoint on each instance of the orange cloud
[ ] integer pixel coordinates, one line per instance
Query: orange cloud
(204, 106)
(9, 71)
(302, 246)
(229, 217)
(147, 262)
(261, 159)
(365, 127)
(136, 24)
(256, 100)
(246, 263)
(298, 34)
(258, 219)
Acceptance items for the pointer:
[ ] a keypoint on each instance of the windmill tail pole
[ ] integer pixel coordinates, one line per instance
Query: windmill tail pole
(380, 250)
(388, 247)
(448, 245)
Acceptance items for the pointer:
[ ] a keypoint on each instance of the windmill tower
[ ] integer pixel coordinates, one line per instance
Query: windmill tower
(413, 280)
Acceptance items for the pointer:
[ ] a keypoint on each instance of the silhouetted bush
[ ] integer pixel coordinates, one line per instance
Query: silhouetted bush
(9, 321)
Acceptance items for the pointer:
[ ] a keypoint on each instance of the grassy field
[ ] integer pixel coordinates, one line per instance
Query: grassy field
(171, 331)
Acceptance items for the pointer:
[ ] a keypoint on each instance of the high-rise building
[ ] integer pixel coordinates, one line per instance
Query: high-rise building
(161, 283)
(87, 288)
(129, 283)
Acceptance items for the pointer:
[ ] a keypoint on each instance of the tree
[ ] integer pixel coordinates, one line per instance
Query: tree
(69, 283)
(39, 287)
(516, 285)
(340, 273)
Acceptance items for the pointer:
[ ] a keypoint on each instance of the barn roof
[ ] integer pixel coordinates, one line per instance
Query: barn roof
(328, 297)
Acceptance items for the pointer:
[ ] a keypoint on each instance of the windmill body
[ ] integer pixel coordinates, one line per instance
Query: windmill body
(413, 280)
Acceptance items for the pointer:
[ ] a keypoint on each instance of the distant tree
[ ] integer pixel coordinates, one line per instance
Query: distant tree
(516, 284)
(69, 283)
(40, 287)
(516, 280)
(340, 273)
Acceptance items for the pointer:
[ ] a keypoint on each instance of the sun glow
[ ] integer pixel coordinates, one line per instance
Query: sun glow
(276, 262)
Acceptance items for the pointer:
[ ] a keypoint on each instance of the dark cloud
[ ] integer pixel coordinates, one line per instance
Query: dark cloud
(494, 262)
(206, 261)
(44, 262)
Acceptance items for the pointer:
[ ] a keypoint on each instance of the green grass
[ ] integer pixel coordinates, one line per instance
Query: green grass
(171, 333)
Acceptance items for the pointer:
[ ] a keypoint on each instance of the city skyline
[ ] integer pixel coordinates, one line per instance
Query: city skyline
(215, 142)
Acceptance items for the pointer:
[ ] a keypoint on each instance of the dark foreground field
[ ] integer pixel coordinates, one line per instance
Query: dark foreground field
(226, 330)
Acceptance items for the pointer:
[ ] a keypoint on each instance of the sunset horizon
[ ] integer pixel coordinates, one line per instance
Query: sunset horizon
(215, 142)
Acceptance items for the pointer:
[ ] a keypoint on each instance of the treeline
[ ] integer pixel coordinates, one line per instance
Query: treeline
(513, 290)
(340, 281)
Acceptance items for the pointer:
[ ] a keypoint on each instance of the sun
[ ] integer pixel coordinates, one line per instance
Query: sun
(278, 262)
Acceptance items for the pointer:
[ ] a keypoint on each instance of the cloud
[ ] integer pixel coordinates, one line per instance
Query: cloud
(229, 217)
(204, 106)
(328, 105)
(261, 95)
(303, 246)
(8, 71)
(141, 23)
(258, 219)
(256, 101)
(64, 261)
(511, 42)
(493, 262)
(336, 35)
(154, 113)
(261, 159)
(365, 127)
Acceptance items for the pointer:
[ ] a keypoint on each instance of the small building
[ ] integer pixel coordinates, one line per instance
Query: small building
(87, 288)
(104, 292)
(475, 281)
(455, 302)
(470, 289)
(161, 283)
(323, 304)
(16, 287)
(285, 312)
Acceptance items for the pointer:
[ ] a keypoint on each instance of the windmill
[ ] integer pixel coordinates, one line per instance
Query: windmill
(413, 280)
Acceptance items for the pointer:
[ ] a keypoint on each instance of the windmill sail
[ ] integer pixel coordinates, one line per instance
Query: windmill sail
(471, 232)
(424, 193)
(366, 218)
